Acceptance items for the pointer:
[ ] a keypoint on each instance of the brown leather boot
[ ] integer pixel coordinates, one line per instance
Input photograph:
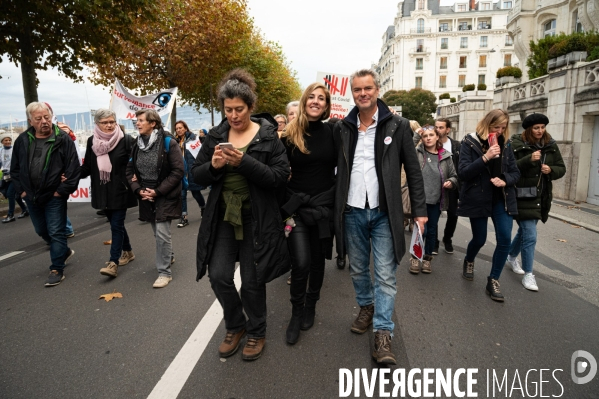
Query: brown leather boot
(382, 348)
(253, 348)
(111, 269)
(414, 265)
(426, 264)
(364, 319)
(231, 343)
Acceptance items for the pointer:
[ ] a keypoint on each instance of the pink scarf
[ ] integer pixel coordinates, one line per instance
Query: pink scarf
(103, 143)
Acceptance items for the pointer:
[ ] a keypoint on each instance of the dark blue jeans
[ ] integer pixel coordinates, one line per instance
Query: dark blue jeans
(197, 195)
(120, 238)
(363, 227)
(503, 234)
(49, 221)
(430, 228)
(8, 190)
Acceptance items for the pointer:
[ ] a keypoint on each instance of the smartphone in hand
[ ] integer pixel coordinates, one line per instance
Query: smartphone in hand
(226, 145)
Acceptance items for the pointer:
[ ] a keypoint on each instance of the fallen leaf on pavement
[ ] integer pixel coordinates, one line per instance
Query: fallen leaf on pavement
(560, 240)
(576, 227)
(109, 242)
(110, 297)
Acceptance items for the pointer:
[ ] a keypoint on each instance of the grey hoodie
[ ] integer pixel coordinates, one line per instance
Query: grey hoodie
(446, 170)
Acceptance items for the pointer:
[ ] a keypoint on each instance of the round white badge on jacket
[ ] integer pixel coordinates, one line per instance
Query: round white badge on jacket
(388, 140)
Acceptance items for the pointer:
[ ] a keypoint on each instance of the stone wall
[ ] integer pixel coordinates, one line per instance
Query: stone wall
(569, 96)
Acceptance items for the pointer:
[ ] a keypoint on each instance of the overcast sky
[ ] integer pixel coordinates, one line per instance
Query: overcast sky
(316, 35)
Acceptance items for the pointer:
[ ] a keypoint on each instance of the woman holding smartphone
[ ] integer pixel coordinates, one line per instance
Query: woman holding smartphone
(309, 201)
(242, 220)
(488, 173)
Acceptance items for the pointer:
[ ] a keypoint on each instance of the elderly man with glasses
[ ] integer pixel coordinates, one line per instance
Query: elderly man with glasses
(41, 155)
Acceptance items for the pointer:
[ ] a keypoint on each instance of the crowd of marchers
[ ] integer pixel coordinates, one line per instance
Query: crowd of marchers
(284, 190)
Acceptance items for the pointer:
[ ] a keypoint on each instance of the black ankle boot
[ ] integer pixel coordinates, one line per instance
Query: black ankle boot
(493, 289)
(293, 329)
(308, 319)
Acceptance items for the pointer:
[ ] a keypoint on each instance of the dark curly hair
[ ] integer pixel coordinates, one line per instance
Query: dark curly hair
(238, 84)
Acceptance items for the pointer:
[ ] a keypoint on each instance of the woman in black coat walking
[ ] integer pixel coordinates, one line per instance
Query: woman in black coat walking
(540, 162)
(154, 172)
(309, 201)
(105, 161)
(242, 220)
(488, 173)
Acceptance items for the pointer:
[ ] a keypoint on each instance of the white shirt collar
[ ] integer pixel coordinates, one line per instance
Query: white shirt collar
(375, 117)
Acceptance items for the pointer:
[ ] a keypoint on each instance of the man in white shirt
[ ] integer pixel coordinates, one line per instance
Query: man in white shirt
(373, 145)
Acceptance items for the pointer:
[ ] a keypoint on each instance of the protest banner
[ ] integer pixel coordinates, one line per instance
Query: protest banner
(194, 146)
(417, 243)
(125, 104)
(83, 192)
(341, 98)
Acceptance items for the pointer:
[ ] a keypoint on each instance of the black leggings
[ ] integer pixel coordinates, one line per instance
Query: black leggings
(221, 271)
(307, 260)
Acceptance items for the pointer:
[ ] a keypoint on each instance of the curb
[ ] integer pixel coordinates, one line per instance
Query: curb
(566, 219)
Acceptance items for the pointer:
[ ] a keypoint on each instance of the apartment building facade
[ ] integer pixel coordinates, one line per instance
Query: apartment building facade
(443, 48)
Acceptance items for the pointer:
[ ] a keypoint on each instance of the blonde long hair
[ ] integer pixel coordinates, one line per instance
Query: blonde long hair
(494, 118)
(294, 133)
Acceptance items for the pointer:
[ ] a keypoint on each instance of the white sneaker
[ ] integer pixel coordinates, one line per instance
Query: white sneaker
(529, 282)
(515, 264)
(162, 281)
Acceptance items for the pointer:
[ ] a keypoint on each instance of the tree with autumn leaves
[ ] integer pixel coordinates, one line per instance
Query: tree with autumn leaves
(41, 34)
(191, 45)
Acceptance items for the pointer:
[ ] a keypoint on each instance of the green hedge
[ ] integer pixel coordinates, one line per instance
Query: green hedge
(468, 88)
(481, 86)
(509, 71)
(452, 100)
(444, 96)
(557, 46)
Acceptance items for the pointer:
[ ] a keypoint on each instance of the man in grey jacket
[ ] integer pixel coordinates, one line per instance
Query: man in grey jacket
(373, 144)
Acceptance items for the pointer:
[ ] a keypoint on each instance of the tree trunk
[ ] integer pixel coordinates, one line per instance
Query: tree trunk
(28, 73)
(174, 117)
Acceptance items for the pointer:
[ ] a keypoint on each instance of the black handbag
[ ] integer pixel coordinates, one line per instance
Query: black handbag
(526, 192)
(529, 193)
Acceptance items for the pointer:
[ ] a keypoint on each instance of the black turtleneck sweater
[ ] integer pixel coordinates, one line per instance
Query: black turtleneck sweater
(313, 173)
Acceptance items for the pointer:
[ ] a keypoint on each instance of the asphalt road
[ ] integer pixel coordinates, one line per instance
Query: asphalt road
(63, 342)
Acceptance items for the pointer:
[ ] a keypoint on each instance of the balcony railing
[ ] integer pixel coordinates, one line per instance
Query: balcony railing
(420, 30)
(445, 29)
(465, 27)
(444, 46)
(419, 49)
(484, 26)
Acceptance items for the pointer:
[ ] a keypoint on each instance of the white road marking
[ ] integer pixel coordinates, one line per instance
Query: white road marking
(174, 378)
(10, 255)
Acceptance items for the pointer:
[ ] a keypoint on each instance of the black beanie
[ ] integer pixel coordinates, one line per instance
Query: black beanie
(534, 119)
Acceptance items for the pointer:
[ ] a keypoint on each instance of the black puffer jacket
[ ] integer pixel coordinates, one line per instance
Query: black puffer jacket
(476, 189)
(537, 208)
(116, 194)
(167, 203)
(61, 159)
(266, 168)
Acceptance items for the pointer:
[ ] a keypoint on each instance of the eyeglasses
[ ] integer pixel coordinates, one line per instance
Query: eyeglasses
(107, 123)
(282, 123)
